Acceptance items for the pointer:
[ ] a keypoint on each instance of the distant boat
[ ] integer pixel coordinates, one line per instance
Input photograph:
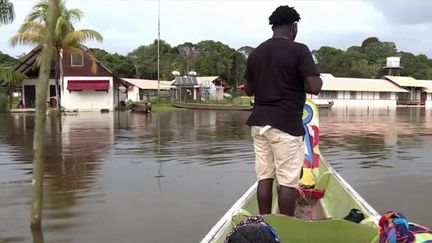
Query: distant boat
(327, 105)
(204, 106)
(142, 108)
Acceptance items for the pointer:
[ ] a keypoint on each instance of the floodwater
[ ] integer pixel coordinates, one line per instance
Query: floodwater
(169, 177)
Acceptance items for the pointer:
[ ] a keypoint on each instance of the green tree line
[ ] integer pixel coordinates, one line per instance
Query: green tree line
(207, 58)
(6, 61)
(369, 60)
(210, 58)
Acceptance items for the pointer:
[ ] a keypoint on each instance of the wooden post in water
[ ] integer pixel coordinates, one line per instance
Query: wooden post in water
(39, 133)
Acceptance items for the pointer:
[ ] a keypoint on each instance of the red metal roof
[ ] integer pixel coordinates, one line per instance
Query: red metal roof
(79, 85)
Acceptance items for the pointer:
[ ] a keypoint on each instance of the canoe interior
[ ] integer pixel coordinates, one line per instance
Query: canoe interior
(321, 221)
(317, 220)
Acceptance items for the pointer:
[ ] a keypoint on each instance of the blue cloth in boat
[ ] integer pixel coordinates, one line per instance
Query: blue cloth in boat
(395, 228)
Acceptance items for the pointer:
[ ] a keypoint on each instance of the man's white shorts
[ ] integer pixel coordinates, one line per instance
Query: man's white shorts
(278, 154)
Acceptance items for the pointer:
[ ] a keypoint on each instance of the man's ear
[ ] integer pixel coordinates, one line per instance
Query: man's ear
(294, 30)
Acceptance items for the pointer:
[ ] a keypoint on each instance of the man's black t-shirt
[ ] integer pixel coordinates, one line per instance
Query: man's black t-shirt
(276, 71)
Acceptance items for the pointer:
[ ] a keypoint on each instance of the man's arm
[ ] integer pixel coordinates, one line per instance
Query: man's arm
(313, 84)
(309, 72)
(248, 89)
(248, 76)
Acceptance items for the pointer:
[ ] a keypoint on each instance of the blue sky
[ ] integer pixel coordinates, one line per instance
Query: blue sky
(127, 24)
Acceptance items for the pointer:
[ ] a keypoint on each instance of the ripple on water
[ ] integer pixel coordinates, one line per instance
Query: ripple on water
(139, 173)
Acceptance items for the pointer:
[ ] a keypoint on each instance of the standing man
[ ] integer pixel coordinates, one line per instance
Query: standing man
(279, 73)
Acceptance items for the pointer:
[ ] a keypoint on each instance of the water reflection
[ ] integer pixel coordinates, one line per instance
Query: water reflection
(170, 176)
(384, 155)
(72, 160)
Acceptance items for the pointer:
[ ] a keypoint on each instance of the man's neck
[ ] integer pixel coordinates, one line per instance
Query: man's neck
(282, 34)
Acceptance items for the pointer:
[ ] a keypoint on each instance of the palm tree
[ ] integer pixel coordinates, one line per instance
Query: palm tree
(66, 38)
(39, 134)
(9, 80)
(7, 14)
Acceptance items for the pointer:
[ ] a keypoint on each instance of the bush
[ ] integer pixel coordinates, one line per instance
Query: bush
(3, 103)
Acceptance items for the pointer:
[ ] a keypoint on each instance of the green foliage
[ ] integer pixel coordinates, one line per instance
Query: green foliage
(188, 56)
(8, 77)
(245, 50)
(419, 67)
(66, 37)
(162, 107)
(369, 59)
(8, 81)
(145, 58)
(216, 59)
(207, 58)
(7, 14)
(6, 61)
(119, 64)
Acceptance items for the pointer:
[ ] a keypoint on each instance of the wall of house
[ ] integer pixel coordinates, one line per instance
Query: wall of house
(355, 99)
(34, 82)
(88, 100)
(219, 92)
(133, 94)
(429, 100)
(89, 67)
(364, 103)
(118, 96)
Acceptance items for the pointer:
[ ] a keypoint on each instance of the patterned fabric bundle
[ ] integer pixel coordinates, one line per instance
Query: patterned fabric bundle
(395, 228)
(254, 220)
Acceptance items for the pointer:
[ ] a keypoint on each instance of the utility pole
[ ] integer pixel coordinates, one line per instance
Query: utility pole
(158, 53)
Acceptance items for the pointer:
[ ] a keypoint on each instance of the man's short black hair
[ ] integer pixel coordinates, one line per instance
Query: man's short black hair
(284, 15)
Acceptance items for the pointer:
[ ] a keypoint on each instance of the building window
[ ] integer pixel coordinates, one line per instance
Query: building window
(77, 60)
(328, 95)
(353, 95)
(385, 96)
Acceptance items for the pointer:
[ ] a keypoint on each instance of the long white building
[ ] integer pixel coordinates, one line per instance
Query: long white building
(358, 92)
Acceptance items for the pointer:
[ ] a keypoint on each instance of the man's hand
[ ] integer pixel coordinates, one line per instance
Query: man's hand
(313, 85)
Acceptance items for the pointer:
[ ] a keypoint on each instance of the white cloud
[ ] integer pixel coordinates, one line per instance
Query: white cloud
(403, 12)
(127, 24)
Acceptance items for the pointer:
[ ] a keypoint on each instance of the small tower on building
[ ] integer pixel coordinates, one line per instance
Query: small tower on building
(393, 66)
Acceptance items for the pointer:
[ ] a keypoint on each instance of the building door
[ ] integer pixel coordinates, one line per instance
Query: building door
(423, 98)
(52, 91)
(29, 96)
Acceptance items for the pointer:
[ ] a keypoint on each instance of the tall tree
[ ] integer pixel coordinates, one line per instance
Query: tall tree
(39, 133)
(329, 60)
(245, 50)
(145, 57)
(238, 69)
(8, 79)
(65, 37)
(7, 13)
(377, 52)
(189, 55)
(119, 64)
(215, 59)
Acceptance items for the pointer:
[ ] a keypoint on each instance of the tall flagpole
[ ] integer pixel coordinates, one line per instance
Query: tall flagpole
(158, 53)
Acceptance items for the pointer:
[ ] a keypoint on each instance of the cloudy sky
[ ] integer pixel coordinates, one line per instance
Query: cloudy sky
(127, 24)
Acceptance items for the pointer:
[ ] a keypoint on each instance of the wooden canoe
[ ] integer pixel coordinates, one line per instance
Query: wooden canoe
(319, 220)
(202, 106)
